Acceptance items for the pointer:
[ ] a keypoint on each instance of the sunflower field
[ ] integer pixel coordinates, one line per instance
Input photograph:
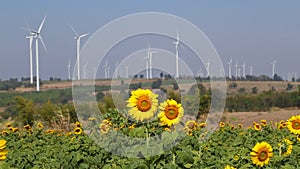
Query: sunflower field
(266, 144)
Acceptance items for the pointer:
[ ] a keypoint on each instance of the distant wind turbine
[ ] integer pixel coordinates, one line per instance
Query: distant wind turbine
(147, 62)
(69, 70)
(150, 62)
(177, 43)
(37, 36)
(273, 68)
(78, 38)
(229, 68)
(250, 70)
(236, 69)
(244, 70)
(30, 37)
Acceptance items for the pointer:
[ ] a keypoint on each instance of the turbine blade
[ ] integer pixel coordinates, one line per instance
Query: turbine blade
(43, 43)
(41, 26)
(84, 35)
(74, 31)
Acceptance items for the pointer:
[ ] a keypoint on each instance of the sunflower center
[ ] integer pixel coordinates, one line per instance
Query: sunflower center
(144, 103)
(171, 112)
(296, 125)
(191, 125)
(263, 155)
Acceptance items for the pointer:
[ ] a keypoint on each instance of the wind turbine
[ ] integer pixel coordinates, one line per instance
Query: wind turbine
(150, 62)
(37, 36)
(177, 43)
(250, 70)
(78, 38)
(229, 68)
(236, 69)
(69, 70)
(106, 70)
(244, 70)
(30, 37)
(147, 62)
(239, 71)
(207, 68)
(273, 68)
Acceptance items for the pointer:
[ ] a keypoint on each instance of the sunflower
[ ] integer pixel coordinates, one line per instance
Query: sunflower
(229, 167)
(286, 147)
(107, 122)
(257, 126)
(170, 112)
(263, 123)
(77, 130)
(104, 128)
(40, 125)
(50, 131)
(281, 126)
(2, 144)
(78, 124)
(202, 125)
(190, 125)
(3, 154)
(293, 124)
(222, 124)
(14, 129)
(240, 125)
(27, 127)
(8, 125)
(4, 132)
(92, 118)
(143, 104)
(261, 153)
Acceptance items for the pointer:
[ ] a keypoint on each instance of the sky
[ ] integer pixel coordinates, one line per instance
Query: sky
(251, 32)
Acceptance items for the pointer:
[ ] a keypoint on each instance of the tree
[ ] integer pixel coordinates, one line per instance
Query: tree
(25, 111)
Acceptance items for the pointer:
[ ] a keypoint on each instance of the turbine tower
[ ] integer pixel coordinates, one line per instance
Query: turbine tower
(250, 70)
(207, 68)
(177, 43)
(30, 37)
(37, 36)
(236, 69)
(150, 62)
(78, 38)
(244, 70)
(273, 68)
(229, 68)
(147, 62)
(69, 70)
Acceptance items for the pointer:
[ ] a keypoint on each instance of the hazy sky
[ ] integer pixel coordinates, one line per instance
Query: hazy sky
(255, 32)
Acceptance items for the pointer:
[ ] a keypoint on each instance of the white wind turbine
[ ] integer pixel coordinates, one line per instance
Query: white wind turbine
(147, 62)
(273, 68)
(244, 70)
(250, 70)
(69, 70)
(229, 68)
(78, 38)
(37, 36)
(177, 43)
(207, 68)
(150, 62)
(236, 69)
(30, 37)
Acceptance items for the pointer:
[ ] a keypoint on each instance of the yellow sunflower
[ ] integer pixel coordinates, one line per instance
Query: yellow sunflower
(170, 112)
(107, 122)
(14, 129)
(143, 104)
(257, 126)
(8, 125)
(263, 122)
(229, 167)
(78, 124)
(49, 131)
(2, 144)
(261, 153)
(104, 128)
(40, 125)
(293, 124)
(240, 125)
(222, 124)
(27, 127)
(77, 130)
(202, 125)
(4, 132)
(286, 147)
(3, 154)
(92, 118)
(190, 125)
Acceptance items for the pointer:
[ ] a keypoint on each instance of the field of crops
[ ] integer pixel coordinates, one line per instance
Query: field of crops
(96, 142)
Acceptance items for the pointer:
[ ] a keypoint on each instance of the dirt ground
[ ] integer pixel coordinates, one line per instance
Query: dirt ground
(247, 118)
